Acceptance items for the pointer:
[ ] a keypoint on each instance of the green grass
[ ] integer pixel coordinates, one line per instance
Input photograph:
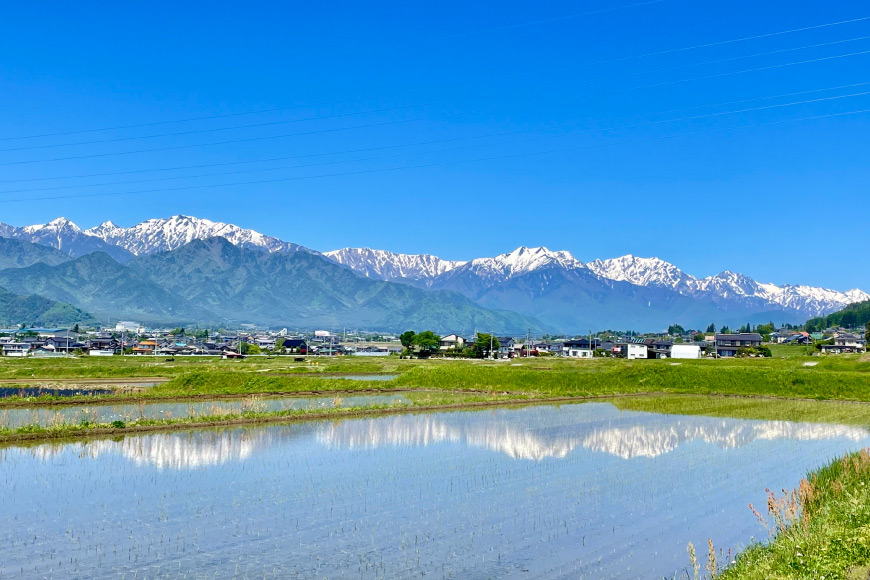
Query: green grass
(857, 414)
(791, 351)
(839, 378)
(249, 414)
(822, 529)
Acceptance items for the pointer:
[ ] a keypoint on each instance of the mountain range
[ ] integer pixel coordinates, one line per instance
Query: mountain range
(187, 269)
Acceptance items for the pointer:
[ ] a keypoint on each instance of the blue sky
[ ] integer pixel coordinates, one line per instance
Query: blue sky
(599, 127)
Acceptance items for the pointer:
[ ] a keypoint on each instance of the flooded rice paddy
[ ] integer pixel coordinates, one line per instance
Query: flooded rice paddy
(570, 491)
(50, 416)
(43, 391)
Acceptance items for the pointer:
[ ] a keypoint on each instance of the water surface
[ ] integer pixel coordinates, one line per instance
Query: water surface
(571, 491)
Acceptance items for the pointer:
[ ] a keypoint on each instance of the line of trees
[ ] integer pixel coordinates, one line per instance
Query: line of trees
(425, 344)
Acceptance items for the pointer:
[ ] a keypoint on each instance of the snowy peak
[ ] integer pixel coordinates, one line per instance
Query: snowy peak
(60, 224)
(156, 235)
(730, 284)
(641, 271)
(522, 261)
(105, 231)
(63, 235)
(384, 265)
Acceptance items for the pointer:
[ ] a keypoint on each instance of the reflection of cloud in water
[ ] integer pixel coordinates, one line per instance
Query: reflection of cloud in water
(186, 450)
(544, 432)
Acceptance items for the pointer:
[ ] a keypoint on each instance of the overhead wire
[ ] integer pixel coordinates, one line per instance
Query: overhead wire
(436, 164)
(399, 121)
(414, 144)
(451, 85)
(427, 104)
(451, 149)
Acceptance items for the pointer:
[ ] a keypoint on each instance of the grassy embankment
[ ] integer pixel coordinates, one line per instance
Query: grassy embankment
(822, 529)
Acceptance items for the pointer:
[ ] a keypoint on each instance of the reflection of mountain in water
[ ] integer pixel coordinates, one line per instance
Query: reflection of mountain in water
(532, 433)
(186, 450)
(651, 441)
(543, 432)
(497, 434)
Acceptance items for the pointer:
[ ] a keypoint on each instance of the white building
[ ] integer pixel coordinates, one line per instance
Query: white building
(686, 351)
(129, 326)
(451, 341)
(635, 351)
(577, 352)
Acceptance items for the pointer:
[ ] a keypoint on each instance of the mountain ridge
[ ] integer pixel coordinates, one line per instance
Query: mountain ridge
(537, 282)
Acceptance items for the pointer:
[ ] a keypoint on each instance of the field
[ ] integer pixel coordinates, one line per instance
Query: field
(821, 528)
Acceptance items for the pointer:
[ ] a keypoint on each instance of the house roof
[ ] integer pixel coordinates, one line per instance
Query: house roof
(754, 336)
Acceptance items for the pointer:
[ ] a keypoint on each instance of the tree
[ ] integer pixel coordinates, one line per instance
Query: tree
(867, 332)
(725, 330)
(407, 339)
(253, 349)
(676, 330)
(426, 342)
(484, 345)
(279, 345)
(75, 328)
(711, 329)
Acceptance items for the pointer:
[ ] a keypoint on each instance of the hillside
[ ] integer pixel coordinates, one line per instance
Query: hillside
(20, 254)
(853, 315)
(101, 285)
(35, 310)
(308, 290)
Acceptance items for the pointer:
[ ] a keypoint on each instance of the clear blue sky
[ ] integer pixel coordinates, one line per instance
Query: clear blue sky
(481, 127)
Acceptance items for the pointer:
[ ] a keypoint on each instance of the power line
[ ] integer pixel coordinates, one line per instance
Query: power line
(436, 164)
(429, 142)
(544, 20)
(412, 106)
(450, 149)
(399, 121)
(452, 85)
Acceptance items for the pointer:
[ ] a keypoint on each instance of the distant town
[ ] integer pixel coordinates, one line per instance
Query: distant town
(128, 338)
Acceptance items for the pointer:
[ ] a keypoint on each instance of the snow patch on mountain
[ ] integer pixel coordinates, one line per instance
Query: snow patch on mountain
(62, 234)
(384, 265)
(522, 261)
(641, 271)
(156, 235)
(812, 301)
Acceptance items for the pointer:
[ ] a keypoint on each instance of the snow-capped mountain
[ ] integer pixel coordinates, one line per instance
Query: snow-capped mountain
(64, 235)
(735, 294)
(812, 301)
(384, 265)
(552, 286)
(521, 261)
(641, 271)
(156, 235)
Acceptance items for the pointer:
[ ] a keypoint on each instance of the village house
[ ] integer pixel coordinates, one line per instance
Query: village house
(578, 348)
(632, 350)
(451, 341)
(506, 346)
(727, 345)
(846, 343)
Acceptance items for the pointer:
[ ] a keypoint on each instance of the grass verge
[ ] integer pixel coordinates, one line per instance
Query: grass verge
(822, 529)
